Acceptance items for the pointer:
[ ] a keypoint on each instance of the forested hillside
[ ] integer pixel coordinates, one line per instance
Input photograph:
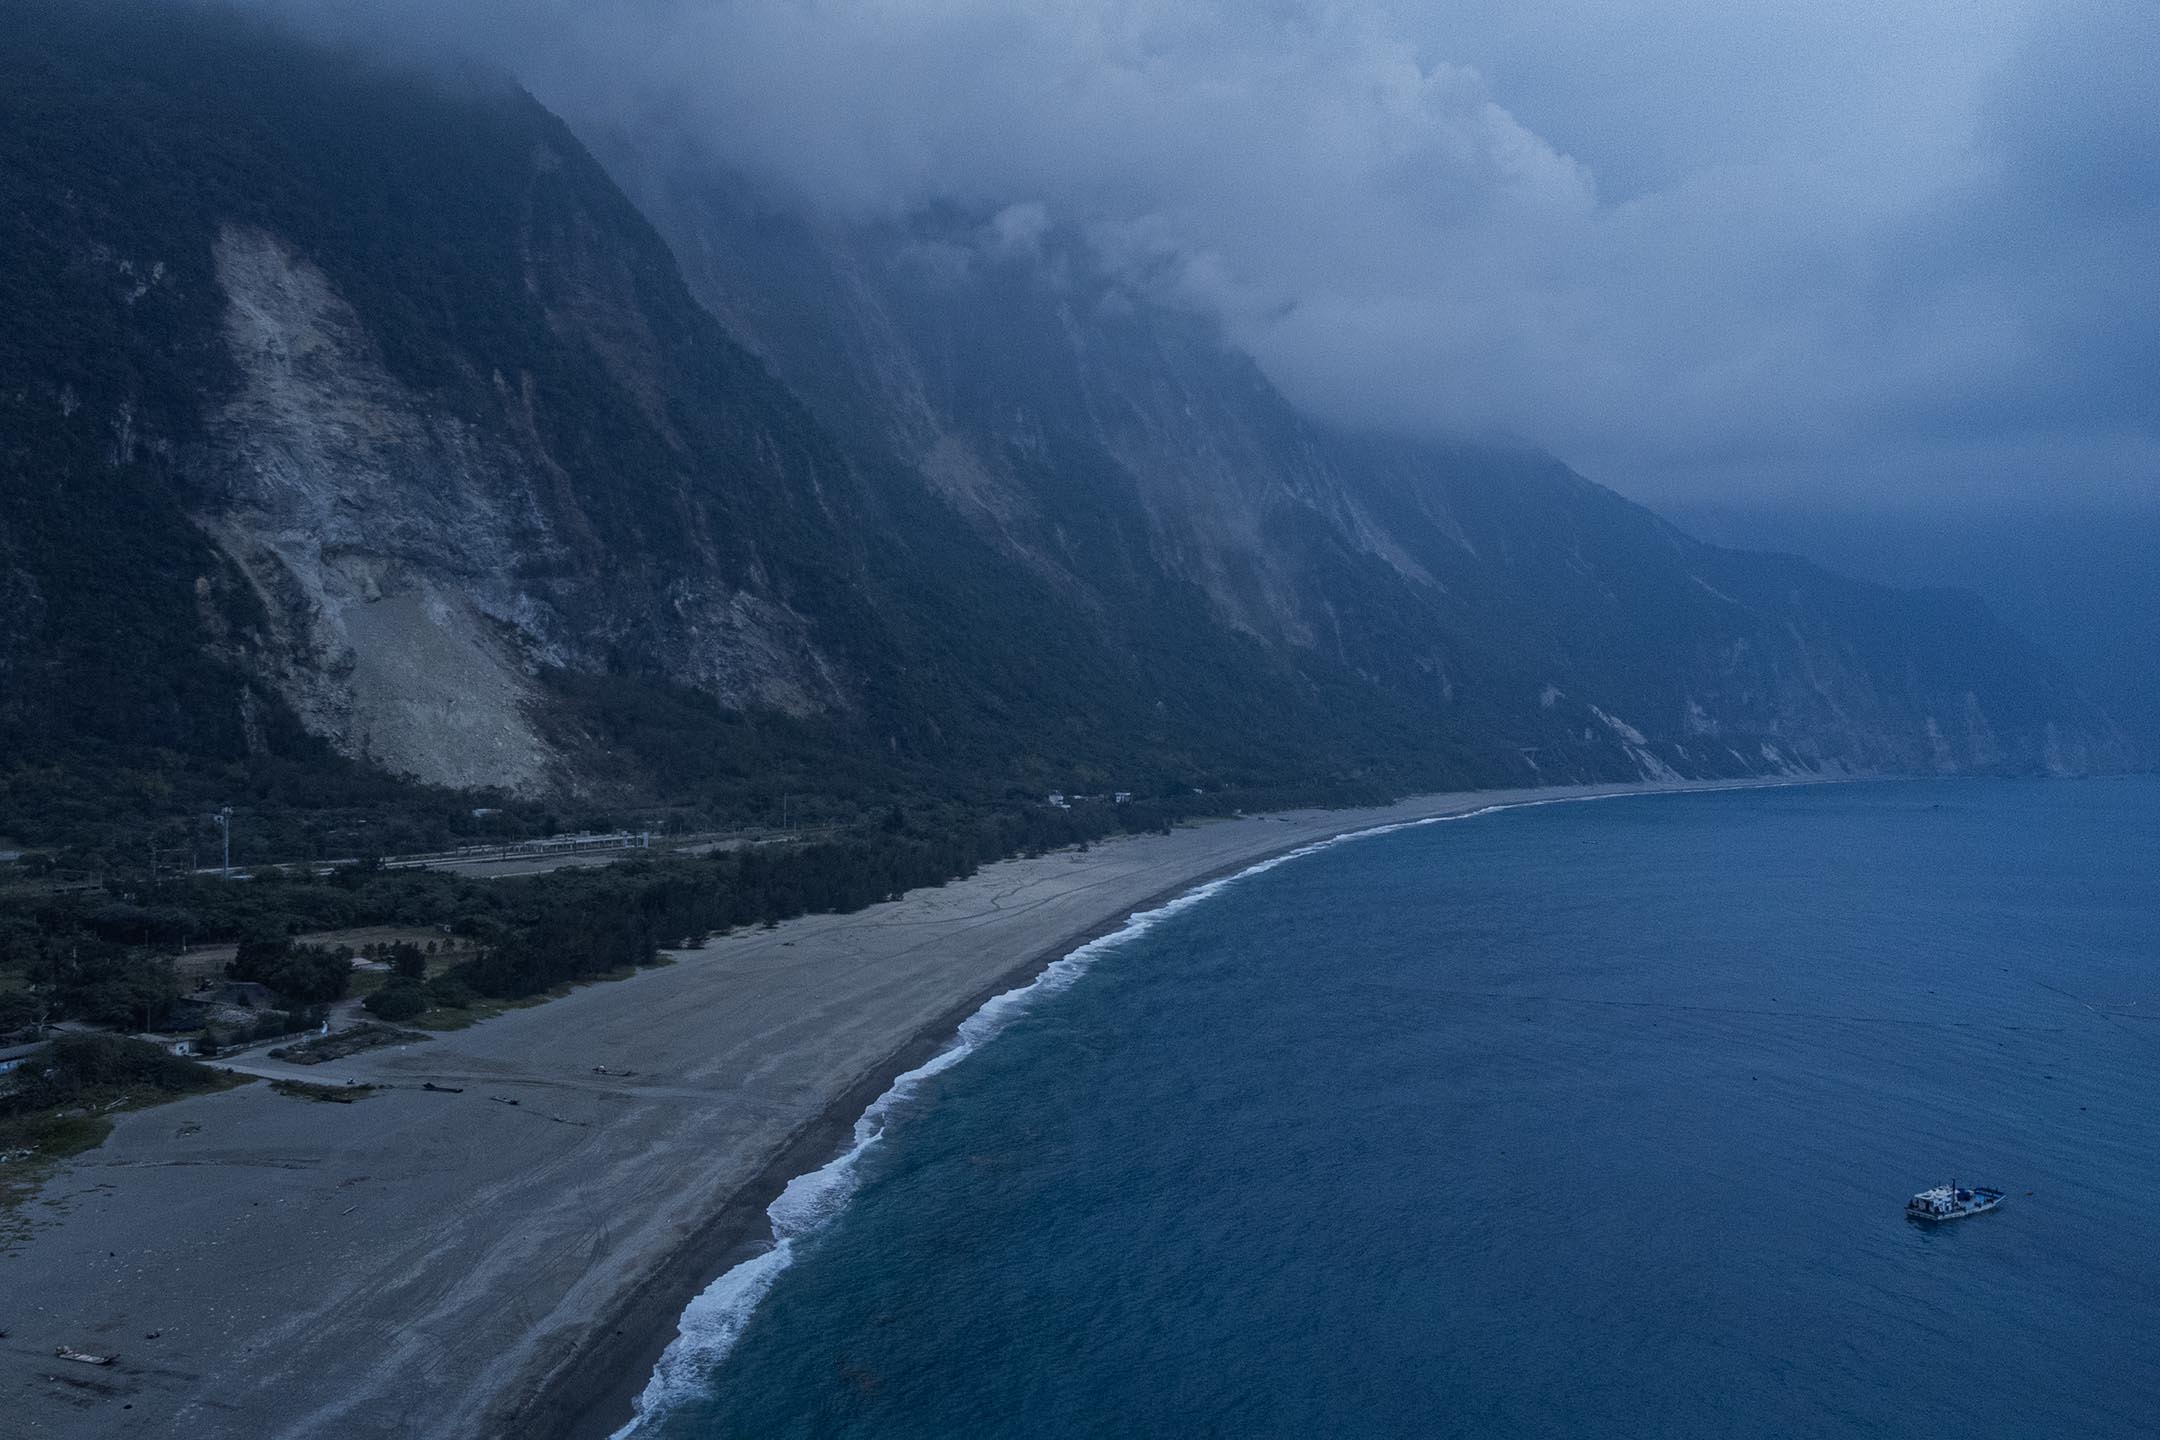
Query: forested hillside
(363, 447)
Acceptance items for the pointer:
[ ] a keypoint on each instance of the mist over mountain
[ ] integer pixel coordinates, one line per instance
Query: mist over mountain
(360, 424)
(2082, 583)
(1812, 254)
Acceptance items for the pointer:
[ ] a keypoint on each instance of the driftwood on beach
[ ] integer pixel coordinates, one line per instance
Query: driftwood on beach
(83, 1358)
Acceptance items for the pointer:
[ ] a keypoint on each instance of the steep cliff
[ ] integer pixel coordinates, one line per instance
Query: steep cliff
(1494, 591)
(355, 417)
(396, 348)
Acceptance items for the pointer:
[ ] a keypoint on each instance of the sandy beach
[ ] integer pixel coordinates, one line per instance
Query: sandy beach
(510, 1259)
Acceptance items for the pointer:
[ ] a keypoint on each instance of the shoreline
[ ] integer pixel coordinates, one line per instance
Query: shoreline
(505, 1236)
(593, 1394)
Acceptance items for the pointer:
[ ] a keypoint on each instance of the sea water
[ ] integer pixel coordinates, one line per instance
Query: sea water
(1583, 1119)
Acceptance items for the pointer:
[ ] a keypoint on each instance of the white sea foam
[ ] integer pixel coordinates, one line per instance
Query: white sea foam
(714, 1321)
(711, 1324)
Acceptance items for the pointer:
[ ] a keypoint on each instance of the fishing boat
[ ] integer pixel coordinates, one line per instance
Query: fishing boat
(1951, 1202)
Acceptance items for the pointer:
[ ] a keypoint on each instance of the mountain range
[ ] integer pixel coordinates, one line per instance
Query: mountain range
(364, 425)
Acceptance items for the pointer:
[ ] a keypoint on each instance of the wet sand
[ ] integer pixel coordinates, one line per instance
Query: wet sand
(451, 1264)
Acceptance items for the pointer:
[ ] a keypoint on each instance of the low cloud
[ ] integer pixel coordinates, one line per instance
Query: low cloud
(1796, 249)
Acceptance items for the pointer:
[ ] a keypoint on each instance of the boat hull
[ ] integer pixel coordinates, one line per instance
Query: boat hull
(1981, 1203)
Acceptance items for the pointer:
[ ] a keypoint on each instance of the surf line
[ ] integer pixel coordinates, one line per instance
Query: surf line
(711, 1324)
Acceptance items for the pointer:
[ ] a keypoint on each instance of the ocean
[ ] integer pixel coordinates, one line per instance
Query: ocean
(1578, 1119)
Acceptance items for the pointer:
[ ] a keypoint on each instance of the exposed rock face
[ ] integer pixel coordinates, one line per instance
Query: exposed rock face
(418, 568)
(382, 539)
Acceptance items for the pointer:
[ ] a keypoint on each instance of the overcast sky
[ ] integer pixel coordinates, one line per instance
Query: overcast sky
(1826, 250)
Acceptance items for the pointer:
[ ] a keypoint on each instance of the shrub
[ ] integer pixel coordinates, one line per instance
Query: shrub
(449, 991)
(308, 974)
(75, 1064)
(107, 985)
(399, 1000)
(18, 1008)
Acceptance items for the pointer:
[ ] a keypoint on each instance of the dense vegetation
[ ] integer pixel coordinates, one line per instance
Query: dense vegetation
(132, 653)
(59, 1102)
(106, 959)
(72, 1068)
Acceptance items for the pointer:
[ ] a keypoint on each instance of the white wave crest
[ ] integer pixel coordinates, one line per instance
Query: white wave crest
(714, 1321)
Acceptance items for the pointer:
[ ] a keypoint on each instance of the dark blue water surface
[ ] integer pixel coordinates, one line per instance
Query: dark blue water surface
(1589, 1119)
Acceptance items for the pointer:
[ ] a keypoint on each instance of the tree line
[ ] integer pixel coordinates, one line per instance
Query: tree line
(106, 959)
